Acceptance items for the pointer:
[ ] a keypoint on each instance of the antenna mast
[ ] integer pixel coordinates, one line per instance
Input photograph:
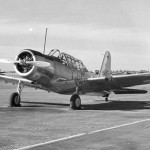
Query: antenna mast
(45, 40)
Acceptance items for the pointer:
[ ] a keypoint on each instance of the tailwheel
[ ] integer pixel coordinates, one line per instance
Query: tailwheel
(15, 100)
(106, 99)
(75, 102)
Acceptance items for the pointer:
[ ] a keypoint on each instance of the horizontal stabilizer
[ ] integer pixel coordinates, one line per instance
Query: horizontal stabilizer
(2, 73)
(129, 91)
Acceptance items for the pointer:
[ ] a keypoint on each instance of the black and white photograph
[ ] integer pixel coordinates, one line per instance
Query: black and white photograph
(74, 74)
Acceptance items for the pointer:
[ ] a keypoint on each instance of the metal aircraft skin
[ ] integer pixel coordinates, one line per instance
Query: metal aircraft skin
(62, 73)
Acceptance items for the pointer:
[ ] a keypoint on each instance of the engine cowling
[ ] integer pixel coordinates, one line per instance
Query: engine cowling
(23, 69)
(41, 72)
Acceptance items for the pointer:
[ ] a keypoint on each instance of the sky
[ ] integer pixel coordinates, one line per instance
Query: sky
(82, 28)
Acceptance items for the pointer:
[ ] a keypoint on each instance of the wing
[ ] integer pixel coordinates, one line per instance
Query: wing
(131, 80)
(15, 80)
(117, 84)
(103, 86)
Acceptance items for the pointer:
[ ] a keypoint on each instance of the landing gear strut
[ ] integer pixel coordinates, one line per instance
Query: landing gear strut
(15, 98)
(75, 102)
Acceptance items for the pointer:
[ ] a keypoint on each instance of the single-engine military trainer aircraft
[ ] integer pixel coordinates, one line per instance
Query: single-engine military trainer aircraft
(62, 73)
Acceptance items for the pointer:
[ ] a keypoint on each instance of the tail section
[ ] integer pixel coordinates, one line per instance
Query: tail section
(106, 66)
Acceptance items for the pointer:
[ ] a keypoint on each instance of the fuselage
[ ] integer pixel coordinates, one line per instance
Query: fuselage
(59, 75)
(64, 73)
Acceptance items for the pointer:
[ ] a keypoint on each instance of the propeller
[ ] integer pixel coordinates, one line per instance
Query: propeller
(22, 62)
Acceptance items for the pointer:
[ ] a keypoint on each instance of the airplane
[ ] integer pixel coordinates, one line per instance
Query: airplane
(64, 74)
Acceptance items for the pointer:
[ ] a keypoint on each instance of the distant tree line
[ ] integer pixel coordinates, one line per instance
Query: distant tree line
(124, 72)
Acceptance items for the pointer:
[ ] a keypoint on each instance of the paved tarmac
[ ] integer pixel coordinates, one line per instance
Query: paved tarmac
(45, 117)
(118, 138)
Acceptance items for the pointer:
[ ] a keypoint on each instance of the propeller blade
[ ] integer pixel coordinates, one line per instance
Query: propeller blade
(34, 63)
(38, 63)
(41, 64)
(3, 60)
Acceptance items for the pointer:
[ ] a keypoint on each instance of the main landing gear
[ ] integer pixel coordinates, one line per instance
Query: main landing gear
(75, 102)
(15, 98)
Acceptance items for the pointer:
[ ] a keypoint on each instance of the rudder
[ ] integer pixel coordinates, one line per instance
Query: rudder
(106, 66)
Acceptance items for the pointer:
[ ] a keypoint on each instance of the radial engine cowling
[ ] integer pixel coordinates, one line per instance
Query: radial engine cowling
(24, 69)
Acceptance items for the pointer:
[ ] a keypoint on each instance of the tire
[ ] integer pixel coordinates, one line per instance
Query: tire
(15, 100)
(75, 102)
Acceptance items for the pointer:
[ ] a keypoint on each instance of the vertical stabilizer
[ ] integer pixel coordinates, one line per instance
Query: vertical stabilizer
(106, 66)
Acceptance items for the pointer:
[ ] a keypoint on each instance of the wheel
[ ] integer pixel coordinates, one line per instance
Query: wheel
(75, 102)
(15, 100)
(106, 99)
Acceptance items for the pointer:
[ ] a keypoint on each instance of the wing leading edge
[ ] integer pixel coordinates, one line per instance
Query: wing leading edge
(14, 81)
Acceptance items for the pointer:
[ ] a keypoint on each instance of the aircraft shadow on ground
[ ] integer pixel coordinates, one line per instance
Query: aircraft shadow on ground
(111, 105)
(119, 105)
(41, 104)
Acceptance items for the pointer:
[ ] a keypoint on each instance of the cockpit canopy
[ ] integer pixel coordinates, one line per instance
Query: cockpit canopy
(68, 59)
